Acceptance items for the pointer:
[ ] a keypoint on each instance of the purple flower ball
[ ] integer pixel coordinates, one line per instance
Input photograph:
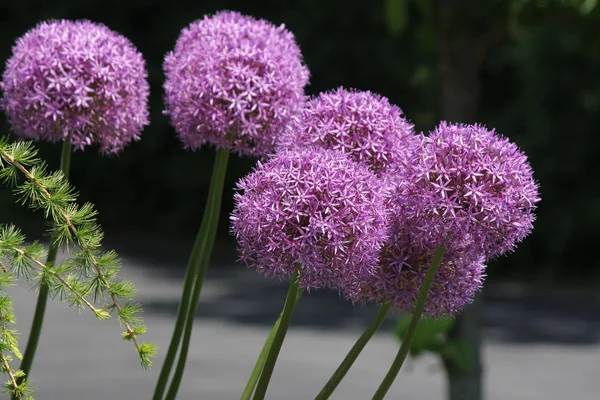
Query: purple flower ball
(464, 186)
(363, 124)
(471, 183)
(404, 262)
(234, 82)
(76, 79)
(313, 210)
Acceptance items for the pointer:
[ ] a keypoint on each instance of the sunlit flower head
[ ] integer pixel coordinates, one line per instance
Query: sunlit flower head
(404, 262)
(313, 210)
(234, 82)
(76, 79)
(362, 124)
(464, 186)
(467, 181)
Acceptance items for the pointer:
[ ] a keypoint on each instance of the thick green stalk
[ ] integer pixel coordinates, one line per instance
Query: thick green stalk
(412, 327)
(353, 354)
(184, 304)
(202, 249)
(262, 358)
(286, 316)
(40, 308)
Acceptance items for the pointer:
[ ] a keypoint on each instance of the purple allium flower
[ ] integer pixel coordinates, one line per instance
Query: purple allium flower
(473, 184)
(405, 260)
(76, 79)
(464, 186)
(362, 124)
(311, 209)
(234, 81)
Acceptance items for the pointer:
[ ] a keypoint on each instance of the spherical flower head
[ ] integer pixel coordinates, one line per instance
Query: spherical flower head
(234, 82)
(404, 261)
(470, 183)
(314, 211)
(363, 124)
(76, 79)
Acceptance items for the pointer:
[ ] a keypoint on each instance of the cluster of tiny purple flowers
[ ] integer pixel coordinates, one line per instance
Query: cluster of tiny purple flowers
(463, 186)
(314, 212)
(406, 257)
(363, 125)
(76, 80)
(234, 82)
(468, 181)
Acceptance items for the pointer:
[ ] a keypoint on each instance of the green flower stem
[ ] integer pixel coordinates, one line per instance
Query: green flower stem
(288, 309)
(412, 327)
(182, 311)
(40, 308)
(353, 354)
(260, 362)
(196, 270)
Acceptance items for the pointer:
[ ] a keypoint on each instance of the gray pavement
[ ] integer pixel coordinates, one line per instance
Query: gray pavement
(540, 344)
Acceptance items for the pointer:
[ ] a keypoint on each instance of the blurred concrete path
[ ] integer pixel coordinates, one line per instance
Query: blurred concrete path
(540, 345)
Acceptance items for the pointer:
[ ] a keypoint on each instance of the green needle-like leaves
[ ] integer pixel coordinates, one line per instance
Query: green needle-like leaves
(86, 277)
(9, 344)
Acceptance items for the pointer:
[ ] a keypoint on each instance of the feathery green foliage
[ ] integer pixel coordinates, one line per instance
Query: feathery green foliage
(9, 344)
(88, 275)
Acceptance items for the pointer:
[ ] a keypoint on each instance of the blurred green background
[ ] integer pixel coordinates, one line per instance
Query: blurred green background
(534, 64)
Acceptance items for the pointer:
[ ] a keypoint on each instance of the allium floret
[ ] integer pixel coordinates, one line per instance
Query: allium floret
(76, 79)
(234, 82)
(313, 210)
(404, 261)
(363, 124)
(469, 182)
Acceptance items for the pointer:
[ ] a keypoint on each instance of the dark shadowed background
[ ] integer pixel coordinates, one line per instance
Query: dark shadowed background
(538, 83)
